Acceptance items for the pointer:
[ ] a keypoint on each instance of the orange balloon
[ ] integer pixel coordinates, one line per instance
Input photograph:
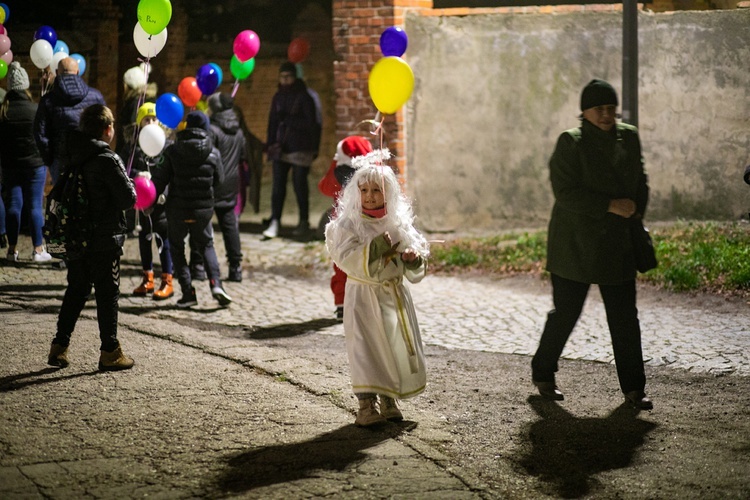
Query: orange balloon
(189, 92)
(298, 50)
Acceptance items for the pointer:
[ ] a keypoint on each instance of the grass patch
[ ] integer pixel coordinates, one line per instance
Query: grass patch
(711, 257)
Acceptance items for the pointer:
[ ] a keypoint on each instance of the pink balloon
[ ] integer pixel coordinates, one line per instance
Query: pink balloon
(246, 45)
(4, 44)
(145, 193)
(7, 57)
(3, 31)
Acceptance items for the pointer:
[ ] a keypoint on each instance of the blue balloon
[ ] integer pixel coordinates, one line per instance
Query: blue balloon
(219, 72)
(169, 110)
(81, 63)
(46, 33)
(393, 42)
(61, 46)
(207, 79)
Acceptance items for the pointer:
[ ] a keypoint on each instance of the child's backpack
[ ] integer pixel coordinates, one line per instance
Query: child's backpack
(66, 221)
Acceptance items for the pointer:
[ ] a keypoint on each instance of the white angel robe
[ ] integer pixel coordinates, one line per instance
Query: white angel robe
(380, 325)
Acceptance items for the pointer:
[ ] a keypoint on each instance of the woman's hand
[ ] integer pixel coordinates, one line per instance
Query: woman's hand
(624, 207)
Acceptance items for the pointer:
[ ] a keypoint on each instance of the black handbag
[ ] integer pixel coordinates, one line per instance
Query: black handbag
(643, 246)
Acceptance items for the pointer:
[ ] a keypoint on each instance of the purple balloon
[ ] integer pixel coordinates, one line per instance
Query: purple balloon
(207, 79)
(393, 42)
(46, 33)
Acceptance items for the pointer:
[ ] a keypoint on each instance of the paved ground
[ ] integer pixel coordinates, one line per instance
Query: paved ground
(252, 400)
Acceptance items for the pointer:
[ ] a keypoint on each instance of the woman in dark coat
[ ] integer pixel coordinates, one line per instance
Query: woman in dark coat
(599, 185)
(24, 172)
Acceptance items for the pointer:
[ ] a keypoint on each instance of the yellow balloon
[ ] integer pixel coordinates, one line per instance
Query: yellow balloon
(391, 83)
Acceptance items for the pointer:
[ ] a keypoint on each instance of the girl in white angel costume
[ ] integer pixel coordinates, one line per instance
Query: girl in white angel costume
(373, 240)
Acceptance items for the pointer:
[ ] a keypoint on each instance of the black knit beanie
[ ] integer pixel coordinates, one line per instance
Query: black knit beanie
(598, 93)
(288, 67)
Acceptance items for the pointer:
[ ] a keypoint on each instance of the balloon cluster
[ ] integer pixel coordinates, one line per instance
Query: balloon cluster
(391, 80)
(48, 50)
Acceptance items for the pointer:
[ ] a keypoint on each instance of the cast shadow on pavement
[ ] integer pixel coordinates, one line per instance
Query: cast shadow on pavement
(290, 329)
(333, 451)
(16, 382)
(567, 451)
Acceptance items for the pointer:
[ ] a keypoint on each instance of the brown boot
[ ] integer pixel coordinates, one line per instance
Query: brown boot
(115, 360)
(165, 289)
(58, 356)
(368, 413)
(147, 285)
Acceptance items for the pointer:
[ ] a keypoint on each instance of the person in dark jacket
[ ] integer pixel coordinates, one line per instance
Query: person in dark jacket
(230, 141)
(153, 221)
(24, 172)
(599, 184)
(110, 193)
(293, 140)
(192, 169)
(59, 111)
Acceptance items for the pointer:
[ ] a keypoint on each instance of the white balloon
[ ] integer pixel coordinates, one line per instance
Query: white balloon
(152, 139)
(41, 53)
(56, 58)
(149, 45)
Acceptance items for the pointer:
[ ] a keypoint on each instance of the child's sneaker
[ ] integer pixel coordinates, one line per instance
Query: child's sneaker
(220, 295)
(188, 299)
(42, 256)
(12, 257)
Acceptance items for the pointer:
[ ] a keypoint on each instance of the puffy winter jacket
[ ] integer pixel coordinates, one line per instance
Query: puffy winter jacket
(59, 111)
(110, 191)
(230, 141)
(192, 168)
(17, 146)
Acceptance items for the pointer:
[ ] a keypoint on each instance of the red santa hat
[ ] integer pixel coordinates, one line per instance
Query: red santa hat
(351, 147)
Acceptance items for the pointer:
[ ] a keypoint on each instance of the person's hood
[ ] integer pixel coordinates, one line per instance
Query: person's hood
(226, 120)
(192, 145)
(69, 90)
(80, 148)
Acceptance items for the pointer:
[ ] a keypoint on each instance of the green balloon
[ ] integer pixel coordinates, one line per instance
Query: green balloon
(3, 68)
(241, 70)
(154, 15)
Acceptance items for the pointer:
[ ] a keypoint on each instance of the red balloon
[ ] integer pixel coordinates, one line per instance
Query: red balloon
(189, 92)
(298, 50)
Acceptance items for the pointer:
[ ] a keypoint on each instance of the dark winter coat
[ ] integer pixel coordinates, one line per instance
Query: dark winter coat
(588, 168)
(292, 119)
(230, 141)
(17, 145)
(192, 168)
(110, 191)
(59, 111)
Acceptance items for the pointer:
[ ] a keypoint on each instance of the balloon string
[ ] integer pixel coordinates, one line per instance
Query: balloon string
(141, 100)
(235, 87)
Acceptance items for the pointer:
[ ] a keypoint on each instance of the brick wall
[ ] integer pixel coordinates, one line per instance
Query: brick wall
(357, 26)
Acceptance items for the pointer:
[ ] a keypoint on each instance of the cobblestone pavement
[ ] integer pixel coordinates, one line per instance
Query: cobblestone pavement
(286, 283)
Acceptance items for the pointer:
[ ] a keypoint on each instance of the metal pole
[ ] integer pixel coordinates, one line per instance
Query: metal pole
(630, 62)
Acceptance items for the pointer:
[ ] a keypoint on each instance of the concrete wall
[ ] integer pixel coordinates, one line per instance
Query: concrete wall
(493, 92)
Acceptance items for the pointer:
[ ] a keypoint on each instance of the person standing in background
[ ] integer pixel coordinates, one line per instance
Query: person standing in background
(59, 111)
(230, 141)
(24, 172)
(293, 140)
